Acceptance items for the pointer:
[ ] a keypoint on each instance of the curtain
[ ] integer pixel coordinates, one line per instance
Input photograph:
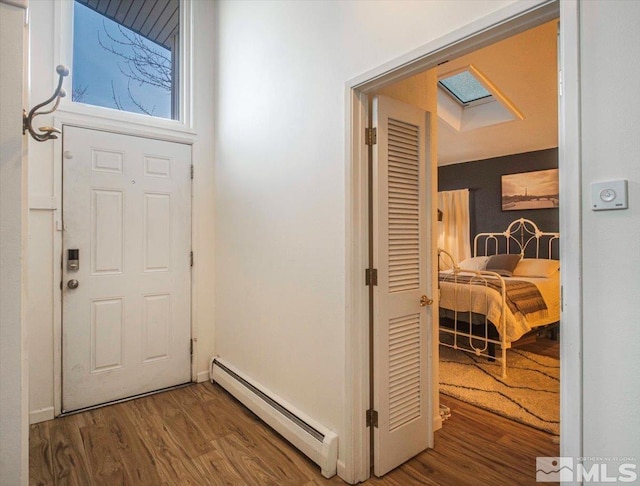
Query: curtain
(454, 227)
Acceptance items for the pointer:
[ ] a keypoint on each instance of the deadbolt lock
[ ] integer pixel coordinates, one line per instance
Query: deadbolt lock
(424, 301)
(73, 260)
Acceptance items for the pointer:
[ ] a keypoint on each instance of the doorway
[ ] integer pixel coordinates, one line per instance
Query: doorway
(126, 276)
(467, 40)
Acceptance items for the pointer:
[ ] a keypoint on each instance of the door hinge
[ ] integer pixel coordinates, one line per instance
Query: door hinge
(191, 348)
(191, 258)
(371, 277)
(192, 172)
(371, 136)
(372, 418)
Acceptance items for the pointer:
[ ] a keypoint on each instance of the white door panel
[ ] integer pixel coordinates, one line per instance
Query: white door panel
(401, 325)
(127, 208)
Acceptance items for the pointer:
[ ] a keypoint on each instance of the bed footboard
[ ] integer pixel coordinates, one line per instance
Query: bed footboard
(468, 300)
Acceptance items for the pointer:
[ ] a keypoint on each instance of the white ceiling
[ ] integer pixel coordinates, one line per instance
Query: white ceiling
(524, 69)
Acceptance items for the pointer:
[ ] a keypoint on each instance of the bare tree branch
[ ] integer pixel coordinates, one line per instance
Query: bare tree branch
(116, 100)
(138, 104)
(78, 93)
(141, 63)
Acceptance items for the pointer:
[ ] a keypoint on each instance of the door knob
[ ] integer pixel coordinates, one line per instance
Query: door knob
(424, 301)
(73, 284)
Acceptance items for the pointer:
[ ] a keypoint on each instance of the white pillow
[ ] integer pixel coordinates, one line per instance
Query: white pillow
(536, 267)
(476, 264)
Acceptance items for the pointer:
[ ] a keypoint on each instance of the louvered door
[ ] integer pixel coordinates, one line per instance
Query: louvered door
(401, 384)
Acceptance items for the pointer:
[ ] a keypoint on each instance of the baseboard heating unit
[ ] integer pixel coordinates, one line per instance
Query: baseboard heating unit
(316, 441)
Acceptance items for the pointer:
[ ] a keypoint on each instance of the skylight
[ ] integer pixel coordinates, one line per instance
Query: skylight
(464, 87)
(468, 100)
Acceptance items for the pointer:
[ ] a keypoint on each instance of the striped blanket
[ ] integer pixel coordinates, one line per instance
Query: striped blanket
(520, 296)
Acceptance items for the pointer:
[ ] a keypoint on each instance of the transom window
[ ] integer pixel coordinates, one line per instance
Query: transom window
(125, 55)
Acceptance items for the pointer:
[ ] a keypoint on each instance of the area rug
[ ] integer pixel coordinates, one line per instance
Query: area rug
(530, 394)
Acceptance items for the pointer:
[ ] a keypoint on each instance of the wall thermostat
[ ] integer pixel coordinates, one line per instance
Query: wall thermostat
(609, 195)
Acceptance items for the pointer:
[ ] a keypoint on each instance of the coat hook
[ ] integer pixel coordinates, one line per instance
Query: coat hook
(46, 133)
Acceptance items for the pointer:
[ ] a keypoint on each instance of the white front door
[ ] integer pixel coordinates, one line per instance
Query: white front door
(402, 311)
(126, 306)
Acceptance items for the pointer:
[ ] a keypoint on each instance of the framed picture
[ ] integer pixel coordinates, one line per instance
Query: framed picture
(530, 190)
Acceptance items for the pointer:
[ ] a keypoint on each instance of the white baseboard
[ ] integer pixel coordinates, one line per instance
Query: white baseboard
(202, 376)
(313, 439)
(42, 415)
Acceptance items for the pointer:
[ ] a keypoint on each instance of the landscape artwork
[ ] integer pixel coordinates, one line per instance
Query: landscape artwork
(530, 190)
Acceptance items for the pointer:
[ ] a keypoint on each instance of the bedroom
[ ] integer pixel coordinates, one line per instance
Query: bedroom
(522, 72)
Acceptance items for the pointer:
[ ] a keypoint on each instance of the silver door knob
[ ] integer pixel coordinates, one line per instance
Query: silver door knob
(73, 284)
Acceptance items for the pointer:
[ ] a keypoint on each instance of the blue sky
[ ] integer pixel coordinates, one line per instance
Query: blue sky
(95, 68)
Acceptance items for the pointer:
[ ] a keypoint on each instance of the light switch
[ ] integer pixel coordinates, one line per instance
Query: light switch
(609, 195)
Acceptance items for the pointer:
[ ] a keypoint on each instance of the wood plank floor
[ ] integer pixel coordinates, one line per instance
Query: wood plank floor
(543, 346)
(200, 435)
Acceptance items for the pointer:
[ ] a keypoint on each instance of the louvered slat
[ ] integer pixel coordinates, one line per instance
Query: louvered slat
(403, 206)
(404, 370)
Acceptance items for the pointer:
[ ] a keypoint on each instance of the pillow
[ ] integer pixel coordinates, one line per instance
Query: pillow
(536, 267)
(475, 263)
(503, 264)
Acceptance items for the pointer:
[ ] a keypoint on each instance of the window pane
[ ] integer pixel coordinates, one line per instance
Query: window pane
(465, 87)
(129, 64)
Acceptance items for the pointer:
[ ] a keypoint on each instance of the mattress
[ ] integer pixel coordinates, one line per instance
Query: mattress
(479, 299)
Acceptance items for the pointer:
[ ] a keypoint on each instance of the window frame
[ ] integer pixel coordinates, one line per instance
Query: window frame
(63, 49)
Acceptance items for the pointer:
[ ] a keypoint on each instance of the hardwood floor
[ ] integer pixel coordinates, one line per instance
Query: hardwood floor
(200, 435)
(543, 346)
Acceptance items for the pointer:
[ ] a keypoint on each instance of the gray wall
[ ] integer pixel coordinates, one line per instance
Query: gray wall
(483, 178)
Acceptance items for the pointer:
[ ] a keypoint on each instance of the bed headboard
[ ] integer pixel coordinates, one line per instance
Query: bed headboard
(521, 236)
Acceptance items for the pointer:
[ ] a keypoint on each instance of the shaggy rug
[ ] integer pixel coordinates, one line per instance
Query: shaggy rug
(530, 394)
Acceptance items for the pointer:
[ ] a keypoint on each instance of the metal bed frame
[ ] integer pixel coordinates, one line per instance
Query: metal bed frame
(476, 330)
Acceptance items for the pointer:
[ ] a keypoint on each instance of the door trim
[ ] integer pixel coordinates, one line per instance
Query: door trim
(61, 120)
(504, 23)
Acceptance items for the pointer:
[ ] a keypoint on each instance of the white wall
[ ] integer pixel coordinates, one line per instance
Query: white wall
(611, 150)
(280, 179)
(41, 258)
(281, 202)
(45, 53)
(14, 430)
